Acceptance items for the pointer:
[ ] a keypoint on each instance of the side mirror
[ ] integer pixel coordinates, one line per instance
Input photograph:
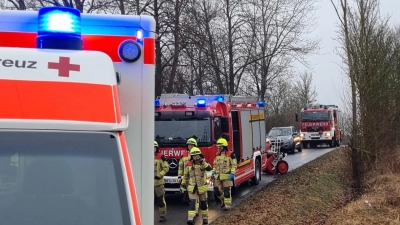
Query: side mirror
(224, 124)
(297, 117)
(295, 133)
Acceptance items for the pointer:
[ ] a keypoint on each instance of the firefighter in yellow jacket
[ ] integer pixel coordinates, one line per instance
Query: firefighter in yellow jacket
(195, 177)
(223, 173)
(190, 143)
(160, 169)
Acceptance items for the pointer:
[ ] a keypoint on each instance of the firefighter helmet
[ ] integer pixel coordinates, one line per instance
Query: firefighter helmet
(195, 151)
(155, 144)
(191, 141)
(222, 142)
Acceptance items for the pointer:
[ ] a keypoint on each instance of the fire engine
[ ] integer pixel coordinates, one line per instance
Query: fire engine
(206, 118)
(75, 131)
(320, 124)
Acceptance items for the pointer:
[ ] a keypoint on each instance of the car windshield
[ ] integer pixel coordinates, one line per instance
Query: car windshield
(177, 131)
(314, 116)
(279, 132)
(62, 178)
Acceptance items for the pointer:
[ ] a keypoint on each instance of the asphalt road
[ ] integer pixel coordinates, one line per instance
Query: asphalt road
(177, 211)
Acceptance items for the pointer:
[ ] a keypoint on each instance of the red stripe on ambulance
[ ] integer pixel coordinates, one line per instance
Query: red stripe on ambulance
(23, 99)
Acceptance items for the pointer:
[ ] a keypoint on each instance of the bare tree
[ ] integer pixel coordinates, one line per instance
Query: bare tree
(304, 91)
(278, 27)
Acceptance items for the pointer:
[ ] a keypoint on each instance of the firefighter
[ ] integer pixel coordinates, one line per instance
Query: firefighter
(195, 177)
(223, 173)
(160, 169)
(191, 142)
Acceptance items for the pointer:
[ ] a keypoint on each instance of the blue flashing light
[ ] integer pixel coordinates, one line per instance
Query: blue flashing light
(325, 107)
(220, 98)
(59, 28)
(129, 51)
(305, 107)
(201, 103)
(260, 104)
(157, 103)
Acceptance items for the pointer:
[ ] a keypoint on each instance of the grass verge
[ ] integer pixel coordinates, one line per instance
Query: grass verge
(380, 203)
(307, 195)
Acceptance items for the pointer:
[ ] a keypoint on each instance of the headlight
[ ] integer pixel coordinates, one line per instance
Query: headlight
(328, 134)
(301, 135)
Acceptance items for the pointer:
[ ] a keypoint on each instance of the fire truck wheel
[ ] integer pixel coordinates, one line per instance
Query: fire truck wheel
(299, 149)
(332, 143)
(282, 167)
(257, 176)
(337, 143)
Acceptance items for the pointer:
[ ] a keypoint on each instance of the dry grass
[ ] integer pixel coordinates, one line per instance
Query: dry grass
(308, 195)
(381, 202)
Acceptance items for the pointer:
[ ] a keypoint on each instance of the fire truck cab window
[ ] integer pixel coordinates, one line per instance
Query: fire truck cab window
(61, 178)
(217, 128)
(314, 116)
(174, 128)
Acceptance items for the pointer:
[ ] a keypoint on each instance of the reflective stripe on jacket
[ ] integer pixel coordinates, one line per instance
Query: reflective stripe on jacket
(160, 168)
(195, 176)
(224, 165)
(182, 163)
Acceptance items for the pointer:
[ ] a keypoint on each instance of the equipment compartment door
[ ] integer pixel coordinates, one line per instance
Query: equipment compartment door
(257, 122)
(247, 134)
(236, 135)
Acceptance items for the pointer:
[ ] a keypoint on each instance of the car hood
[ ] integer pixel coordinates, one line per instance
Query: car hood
(279, 137)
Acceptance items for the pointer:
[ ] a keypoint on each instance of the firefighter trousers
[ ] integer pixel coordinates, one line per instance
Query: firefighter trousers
(222, 188)
(159, 193)
(196, 198)
(188, 199)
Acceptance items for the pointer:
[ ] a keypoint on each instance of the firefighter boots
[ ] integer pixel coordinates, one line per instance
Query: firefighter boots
(162, 219)
(190, 222)
(205, 221)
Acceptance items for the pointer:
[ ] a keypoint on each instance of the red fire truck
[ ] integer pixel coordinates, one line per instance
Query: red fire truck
(206, 118)
(320, 124)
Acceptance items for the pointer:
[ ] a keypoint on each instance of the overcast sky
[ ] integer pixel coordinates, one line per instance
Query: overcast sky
(328, 77)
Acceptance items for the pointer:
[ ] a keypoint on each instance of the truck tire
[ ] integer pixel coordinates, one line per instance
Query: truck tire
(257, 175)
(332, 143)
(299, 149)
(337, 142)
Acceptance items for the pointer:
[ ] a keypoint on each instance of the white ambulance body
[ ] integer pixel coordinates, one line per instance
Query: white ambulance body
(76, 134)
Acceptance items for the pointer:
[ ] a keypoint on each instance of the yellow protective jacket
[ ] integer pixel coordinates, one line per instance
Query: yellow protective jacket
(195, 176)
(224, 165)
(160, 168)
(182, 163)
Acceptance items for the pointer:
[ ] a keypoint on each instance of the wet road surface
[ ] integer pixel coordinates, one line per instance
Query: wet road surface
(177, 210)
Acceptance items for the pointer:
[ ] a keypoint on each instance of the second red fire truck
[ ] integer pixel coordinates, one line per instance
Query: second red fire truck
(207, 118)
(320, 124)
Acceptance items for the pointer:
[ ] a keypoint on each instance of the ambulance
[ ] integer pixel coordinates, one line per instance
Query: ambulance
(76, 135)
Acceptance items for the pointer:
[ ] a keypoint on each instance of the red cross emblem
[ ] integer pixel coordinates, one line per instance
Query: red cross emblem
(64, 66)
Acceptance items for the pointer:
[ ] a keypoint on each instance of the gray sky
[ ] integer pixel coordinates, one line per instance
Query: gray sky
(328, 78)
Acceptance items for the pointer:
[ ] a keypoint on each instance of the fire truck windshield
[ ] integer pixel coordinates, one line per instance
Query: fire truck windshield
(314, 116)
(177, 131)
(61, 178)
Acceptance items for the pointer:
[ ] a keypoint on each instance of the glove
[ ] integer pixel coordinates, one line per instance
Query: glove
(182, 189)
(157, 177)
(202, 156)
(232, 176)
